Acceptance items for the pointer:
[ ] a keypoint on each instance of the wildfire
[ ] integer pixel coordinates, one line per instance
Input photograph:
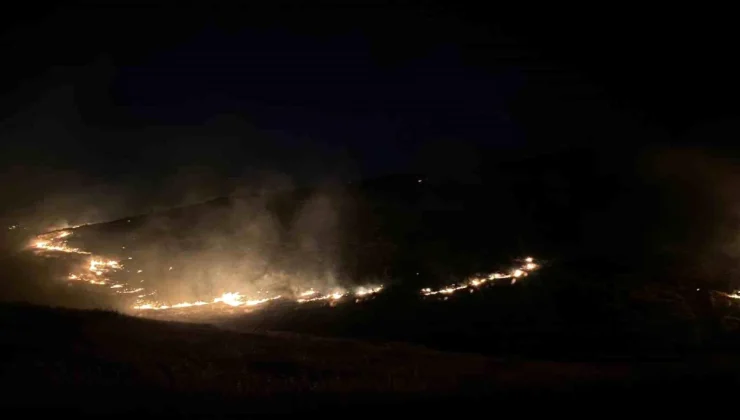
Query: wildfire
(97, 271)
(228, 298)
(446, 291)
(336, 295)
(364, 291)
(55, 242)
(231, 299)
(514, 274)
(129, 291)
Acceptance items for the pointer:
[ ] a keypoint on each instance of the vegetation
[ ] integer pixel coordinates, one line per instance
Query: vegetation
(105, 362)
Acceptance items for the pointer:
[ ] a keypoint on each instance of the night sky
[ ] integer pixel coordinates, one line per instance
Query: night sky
(156, 105)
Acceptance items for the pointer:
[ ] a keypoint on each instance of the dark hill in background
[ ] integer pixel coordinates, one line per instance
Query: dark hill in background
(625, 272)
(553, 205)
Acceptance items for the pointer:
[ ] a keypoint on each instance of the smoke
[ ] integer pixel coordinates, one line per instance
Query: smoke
(315, 231)
(70, 157)
(264, 241)
(60, 167)
(695, 217)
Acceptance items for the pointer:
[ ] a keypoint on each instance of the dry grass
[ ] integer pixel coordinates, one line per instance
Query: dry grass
(103, 361)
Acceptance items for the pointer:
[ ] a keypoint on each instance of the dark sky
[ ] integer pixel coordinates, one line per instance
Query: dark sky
(170, 101)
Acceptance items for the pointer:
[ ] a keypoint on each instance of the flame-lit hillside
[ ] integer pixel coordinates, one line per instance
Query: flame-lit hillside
(119, 276)
(328, 246)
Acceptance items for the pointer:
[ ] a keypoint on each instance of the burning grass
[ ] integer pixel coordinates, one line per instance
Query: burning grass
(98, 270)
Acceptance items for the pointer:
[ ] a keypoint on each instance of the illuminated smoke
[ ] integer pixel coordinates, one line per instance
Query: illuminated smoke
(98, 270)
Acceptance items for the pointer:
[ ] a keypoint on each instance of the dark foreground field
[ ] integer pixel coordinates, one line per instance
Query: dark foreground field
(107, 363)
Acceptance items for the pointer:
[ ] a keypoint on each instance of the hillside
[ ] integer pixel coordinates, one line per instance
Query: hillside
(102, 362)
